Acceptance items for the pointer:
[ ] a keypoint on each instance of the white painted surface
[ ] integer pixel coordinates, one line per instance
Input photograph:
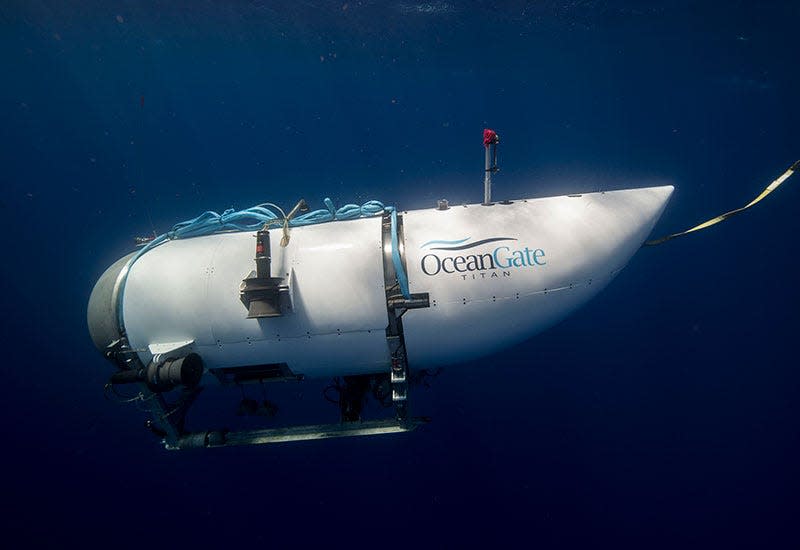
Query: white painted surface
(189, 289)
(585, 240)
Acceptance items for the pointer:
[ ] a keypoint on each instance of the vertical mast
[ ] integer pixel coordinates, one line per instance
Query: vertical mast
(490, 141)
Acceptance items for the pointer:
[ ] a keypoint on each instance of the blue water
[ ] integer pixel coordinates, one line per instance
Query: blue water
(664, 413)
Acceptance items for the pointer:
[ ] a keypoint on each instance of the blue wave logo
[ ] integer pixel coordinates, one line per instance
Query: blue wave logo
(458, 245)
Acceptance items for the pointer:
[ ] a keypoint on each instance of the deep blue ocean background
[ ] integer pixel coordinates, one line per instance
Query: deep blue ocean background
(665, 413)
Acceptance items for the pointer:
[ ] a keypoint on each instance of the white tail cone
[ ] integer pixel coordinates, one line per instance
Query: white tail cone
(543, 258)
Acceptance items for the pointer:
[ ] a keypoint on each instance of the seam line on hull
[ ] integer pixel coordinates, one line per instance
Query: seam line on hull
(517, 295)
(271, 338)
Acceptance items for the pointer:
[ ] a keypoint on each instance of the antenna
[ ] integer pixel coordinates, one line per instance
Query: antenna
(490, 141)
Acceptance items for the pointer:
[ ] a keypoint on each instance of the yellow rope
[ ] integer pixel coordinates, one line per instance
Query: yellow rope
(722, 217)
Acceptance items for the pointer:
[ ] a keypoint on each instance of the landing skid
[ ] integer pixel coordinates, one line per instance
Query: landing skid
(213, 439)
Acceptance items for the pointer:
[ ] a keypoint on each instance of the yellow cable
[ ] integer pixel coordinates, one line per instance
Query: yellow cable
(722, 217)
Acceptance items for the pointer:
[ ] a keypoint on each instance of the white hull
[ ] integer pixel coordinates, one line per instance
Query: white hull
(544, 258)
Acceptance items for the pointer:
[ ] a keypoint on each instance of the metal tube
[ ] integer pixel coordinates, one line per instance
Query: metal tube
(263, 254)
(487, 178)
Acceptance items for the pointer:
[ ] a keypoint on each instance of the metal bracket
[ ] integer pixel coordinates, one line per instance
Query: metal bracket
(396, 306)
(169, 347)
(164, 421)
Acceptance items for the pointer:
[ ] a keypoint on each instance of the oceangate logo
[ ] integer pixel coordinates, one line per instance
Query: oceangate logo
(500, 261)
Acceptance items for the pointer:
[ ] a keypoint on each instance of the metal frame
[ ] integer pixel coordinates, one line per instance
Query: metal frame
(213, 439)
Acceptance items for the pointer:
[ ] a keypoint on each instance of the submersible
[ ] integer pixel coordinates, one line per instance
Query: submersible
(257, 296)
